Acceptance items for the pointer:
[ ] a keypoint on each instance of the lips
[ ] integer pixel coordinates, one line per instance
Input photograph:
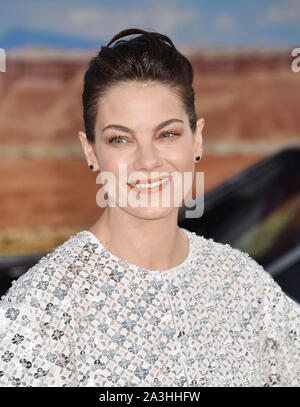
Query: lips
(149, 181)
(144, 188)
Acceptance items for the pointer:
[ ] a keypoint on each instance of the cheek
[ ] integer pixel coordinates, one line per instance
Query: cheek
(108, 165)
(108, 162)
(117, 168)
(183, 160)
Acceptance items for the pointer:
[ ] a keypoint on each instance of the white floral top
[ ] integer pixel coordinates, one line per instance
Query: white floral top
(83, 317)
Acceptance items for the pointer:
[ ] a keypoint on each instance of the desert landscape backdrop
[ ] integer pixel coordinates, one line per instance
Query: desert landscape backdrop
(249, 99)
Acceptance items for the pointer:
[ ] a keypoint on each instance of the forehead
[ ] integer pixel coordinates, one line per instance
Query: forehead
(138, 103)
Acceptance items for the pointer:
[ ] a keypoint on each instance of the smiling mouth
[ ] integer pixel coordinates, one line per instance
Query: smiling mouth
(149, 185)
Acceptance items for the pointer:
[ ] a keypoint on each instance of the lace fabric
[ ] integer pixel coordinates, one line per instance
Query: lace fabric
(83, 317)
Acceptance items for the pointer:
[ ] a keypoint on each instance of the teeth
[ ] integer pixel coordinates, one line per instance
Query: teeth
(152, 185)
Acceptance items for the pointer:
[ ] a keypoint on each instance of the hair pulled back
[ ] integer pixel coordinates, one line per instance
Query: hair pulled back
(151, 56)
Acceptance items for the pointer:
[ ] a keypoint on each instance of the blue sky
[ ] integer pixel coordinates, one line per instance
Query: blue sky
(90, 23)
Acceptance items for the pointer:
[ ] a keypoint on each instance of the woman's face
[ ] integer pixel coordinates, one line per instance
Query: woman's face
(151, 139)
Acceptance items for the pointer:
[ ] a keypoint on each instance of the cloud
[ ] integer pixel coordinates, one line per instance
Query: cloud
(286, 11)
(165, 16)
(93, 20)
(225, 23)
(193, 22)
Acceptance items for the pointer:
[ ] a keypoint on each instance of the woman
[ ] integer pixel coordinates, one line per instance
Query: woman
(136, 300)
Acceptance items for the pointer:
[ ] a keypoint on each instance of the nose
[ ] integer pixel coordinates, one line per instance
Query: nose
(147, 157)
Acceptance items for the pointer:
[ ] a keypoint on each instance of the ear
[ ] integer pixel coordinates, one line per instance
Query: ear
(88, 150)
(198, 141)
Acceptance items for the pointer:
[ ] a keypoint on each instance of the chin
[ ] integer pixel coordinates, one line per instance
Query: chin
(148, 207)
(150, 213)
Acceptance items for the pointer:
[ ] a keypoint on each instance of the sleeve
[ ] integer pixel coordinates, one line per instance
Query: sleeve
(35, 331)
(279, 330)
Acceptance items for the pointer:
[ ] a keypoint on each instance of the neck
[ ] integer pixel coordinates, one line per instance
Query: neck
(156, 244)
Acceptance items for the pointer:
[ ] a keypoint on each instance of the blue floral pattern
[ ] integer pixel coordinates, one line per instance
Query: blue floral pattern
(83, 317)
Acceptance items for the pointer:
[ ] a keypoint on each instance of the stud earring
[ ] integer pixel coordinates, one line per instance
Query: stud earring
(198, 157)
(91, 166)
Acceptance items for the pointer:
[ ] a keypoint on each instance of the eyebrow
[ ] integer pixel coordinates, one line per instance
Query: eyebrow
(127, 129)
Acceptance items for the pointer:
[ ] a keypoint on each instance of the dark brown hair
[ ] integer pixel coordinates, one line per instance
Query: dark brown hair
(149, 57)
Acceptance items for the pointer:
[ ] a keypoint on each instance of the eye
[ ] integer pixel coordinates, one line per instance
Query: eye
(165, 133)
(112, 140)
